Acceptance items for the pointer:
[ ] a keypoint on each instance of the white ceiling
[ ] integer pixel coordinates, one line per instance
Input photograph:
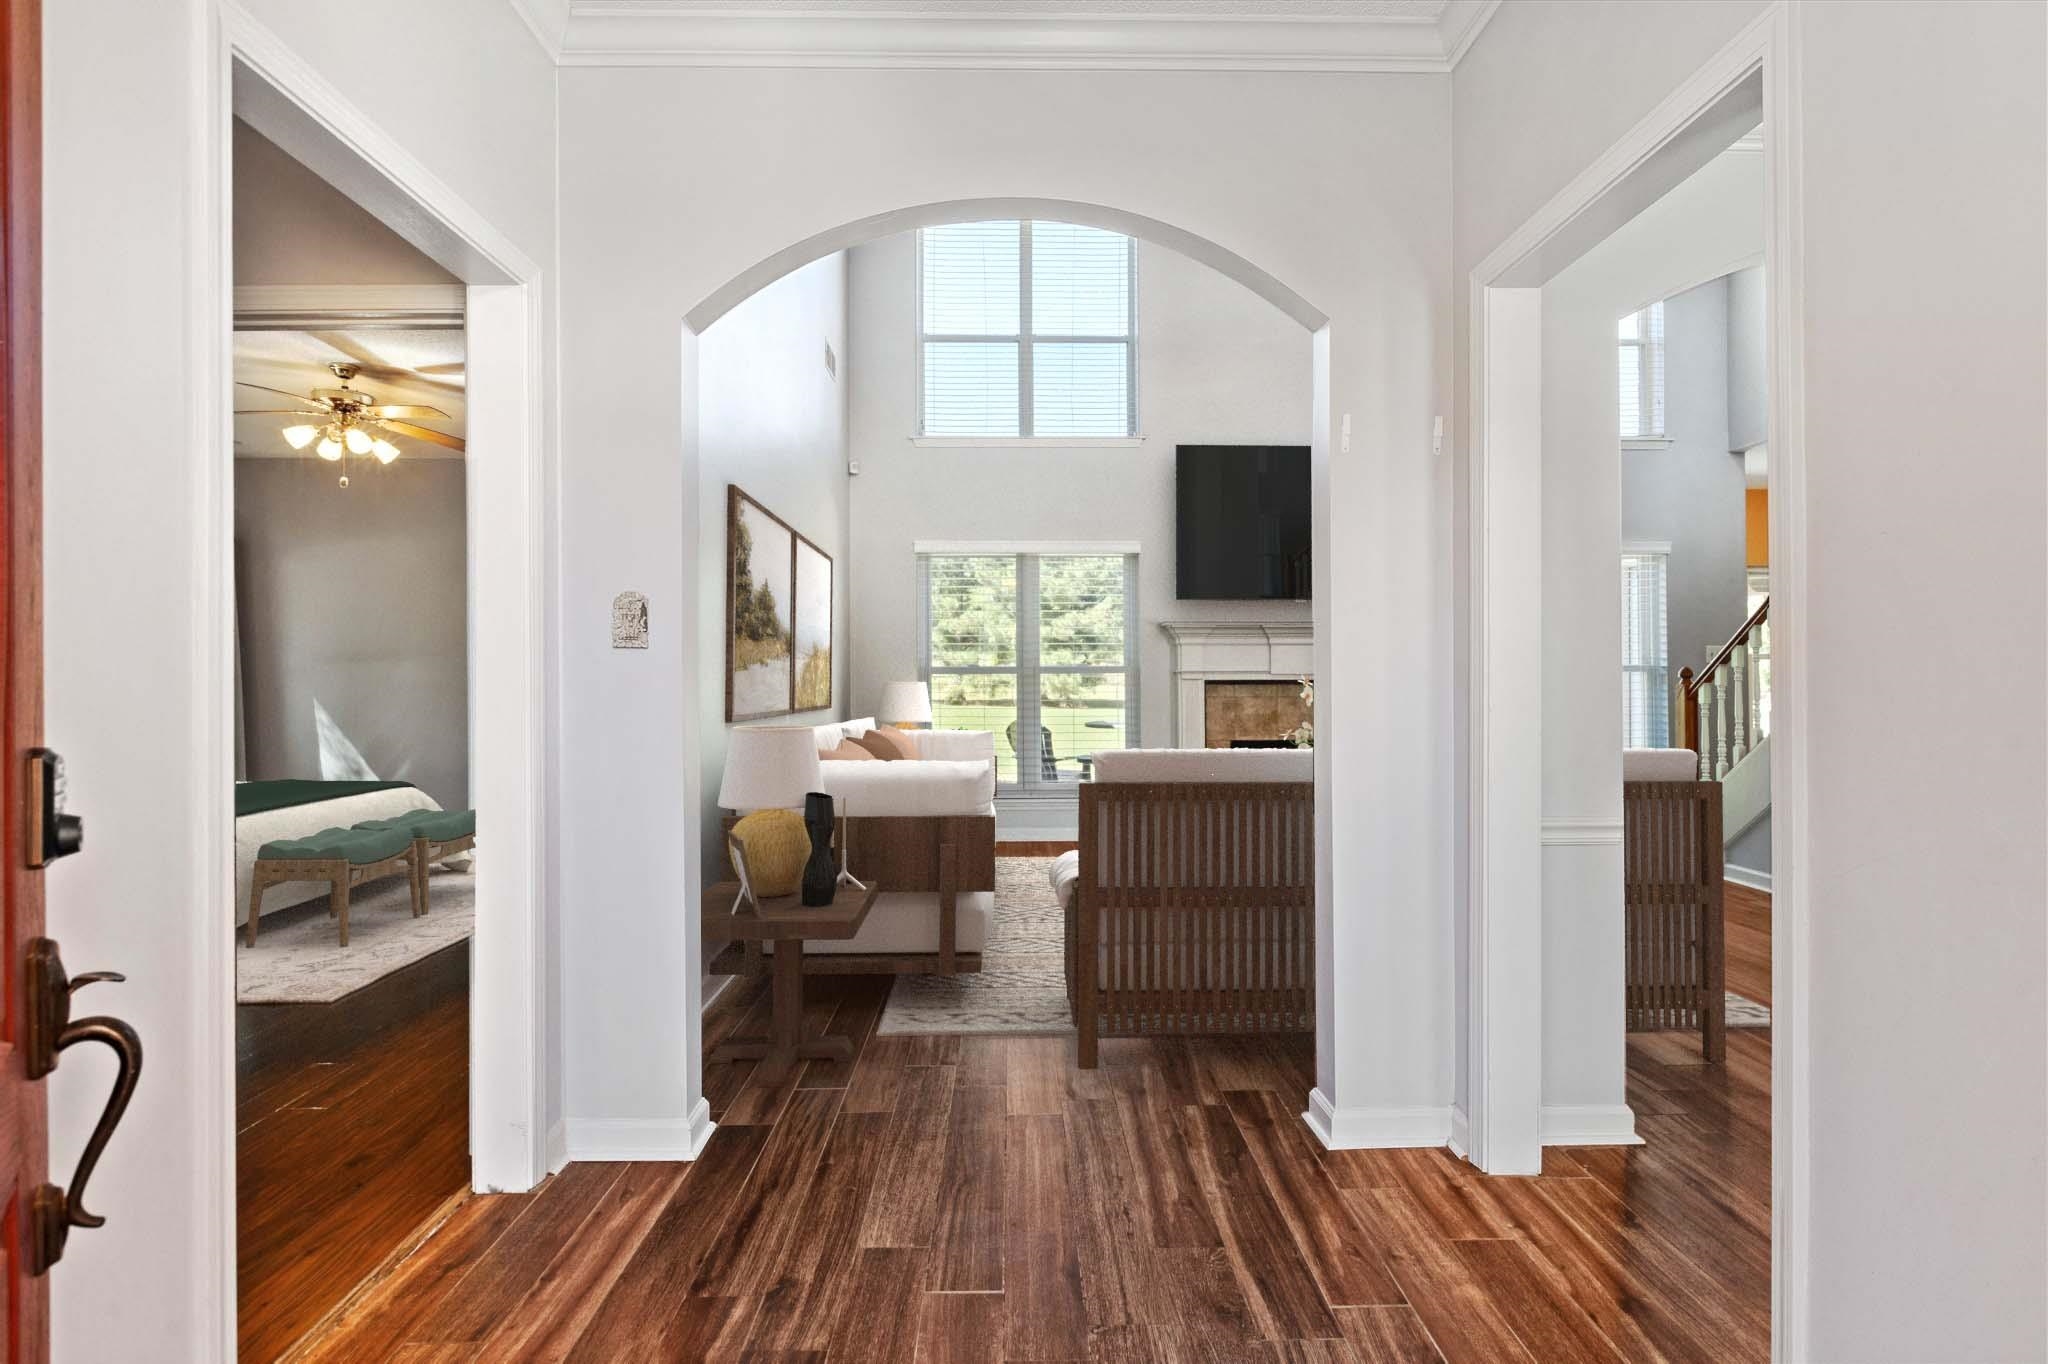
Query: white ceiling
(296, 362)
(1236, 35)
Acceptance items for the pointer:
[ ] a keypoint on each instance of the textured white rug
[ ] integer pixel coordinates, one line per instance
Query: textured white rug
(1744, 1012)
(1021, 987)
(296, 959)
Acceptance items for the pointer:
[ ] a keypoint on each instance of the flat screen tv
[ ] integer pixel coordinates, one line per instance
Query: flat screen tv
(1244, 529)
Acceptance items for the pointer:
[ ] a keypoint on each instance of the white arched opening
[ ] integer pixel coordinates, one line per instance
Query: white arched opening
(794, 257)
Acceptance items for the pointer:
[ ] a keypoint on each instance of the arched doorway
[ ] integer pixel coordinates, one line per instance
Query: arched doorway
(700, 672)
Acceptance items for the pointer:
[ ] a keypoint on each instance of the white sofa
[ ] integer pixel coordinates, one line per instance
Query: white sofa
(953, 774)
(946, 798)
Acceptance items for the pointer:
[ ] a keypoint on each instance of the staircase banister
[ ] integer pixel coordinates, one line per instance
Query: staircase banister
(1692, 684)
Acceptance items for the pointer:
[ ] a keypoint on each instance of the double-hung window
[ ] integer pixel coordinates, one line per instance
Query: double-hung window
(1037, 644)
(1025, 330)
(1645, 660)
(1640, 357)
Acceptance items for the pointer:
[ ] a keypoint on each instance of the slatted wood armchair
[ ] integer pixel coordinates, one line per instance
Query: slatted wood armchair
(1190, 906)
(1672, 897)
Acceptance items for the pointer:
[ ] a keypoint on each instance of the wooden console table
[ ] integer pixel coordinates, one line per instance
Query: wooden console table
(787, 922)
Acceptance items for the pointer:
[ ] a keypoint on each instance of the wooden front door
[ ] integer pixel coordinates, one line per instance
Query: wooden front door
(24, 1146)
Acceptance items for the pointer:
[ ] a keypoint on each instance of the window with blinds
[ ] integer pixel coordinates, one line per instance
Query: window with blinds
(1039, 648)
(1025, 330)
(1640, 363)
(1645, 664)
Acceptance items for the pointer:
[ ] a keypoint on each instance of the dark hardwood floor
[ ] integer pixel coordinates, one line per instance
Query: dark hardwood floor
(980, 1199)
(352, 1132)
(1041, 848)
(1746, 926)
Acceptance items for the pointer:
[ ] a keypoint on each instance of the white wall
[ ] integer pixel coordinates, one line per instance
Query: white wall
(292, 227)
(772, 419)
(1337, 186)
(1520, 131)
(1925, 323)
(1707, 225)
(1689, 494)
(1924, 1155)
(129, 563)
(1217, 365)
(1748, 359)
(355, 599)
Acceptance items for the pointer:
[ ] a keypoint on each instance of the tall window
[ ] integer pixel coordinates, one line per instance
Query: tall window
(1038, 647)
(1025, 329)
(1645, 662)
(1641, 364)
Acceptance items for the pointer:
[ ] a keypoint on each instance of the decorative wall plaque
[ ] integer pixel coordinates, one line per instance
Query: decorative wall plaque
(629, 621)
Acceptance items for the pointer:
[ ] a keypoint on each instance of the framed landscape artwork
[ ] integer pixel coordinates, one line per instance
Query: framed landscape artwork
(813, 626)
(778, 615)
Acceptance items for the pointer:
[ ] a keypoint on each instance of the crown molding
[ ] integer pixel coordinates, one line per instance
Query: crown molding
(1387, 37)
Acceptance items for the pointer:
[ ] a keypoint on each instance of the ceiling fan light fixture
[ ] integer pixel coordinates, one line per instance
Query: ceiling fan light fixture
(329, 449)
(384, 450)
(357, 440)
(299, 437)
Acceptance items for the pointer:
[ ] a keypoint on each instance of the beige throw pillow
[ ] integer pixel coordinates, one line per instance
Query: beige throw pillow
(848, 751)
(890, 745)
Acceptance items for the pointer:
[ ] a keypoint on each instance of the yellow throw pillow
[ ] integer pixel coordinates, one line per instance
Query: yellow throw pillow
(778, 845)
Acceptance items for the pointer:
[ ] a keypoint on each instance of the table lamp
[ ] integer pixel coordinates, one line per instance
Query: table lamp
(906, 705)
(769, 770)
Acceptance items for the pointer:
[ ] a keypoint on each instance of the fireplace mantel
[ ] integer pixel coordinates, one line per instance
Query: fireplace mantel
(1234, 651)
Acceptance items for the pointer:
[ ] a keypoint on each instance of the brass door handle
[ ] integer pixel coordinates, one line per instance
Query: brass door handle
(55, 1211)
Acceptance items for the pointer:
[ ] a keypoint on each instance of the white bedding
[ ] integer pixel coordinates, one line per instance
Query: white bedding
(297, 821)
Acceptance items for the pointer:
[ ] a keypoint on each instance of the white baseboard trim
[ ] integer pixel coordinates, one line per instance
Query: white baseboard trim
(1461, 1133)
(1590, 1125)
(557, 1153)
(1354, 1129)
(641, 1138)
(1743, 876)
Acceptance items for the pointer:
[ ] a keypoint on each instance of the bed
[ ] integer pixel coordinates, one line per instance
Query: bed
(266, 811)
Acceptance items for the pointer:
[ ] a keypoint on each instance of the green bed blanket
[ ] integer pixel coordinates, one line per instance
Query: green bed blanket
(254, 797)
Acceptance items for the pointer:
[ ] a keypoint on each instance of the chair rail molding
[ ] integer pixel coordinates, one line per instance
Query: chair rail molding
(1207, 651)
(1581, 830)
(1148, 35)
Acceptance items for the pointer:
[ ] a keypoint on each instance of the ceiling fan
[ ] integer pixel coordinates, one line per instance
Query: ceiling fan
(350, 421)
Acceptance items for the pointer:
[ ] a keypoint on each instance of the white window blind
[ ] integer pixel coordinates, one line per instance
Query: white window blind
(1645, 664)
(1025, 329)
(1041, 650)
(1640, 366)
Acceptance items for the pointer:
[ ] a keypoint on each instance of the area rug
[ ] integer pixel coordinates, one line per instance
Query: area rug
(296, 959)
(1021, 987)
(1744, 1012)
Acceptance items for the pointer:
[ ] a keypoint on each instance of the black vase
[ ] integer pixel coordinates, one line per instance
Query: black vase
(821, 877)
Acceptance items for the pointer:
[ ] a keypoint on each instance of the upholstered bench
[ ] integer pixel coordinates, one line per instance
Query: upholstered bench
(344, 858)
(435, 835)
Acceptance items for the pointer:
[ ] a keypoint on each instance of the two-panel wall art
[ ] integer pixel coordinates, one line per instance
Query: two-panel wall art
(778, 617)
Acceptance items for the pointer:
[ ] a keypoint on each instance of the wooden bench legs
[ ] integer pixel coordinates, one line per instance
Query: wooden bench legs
(341, 877)
(425, 853)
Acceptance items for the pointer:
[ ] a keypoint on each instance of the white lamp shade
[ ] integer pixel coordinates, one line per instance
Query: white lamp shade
(769, 767)
(905, 703)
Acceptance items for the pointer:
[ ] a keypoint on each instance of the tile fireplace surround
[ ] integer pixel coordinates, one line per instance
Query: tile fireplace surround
(1230, 651)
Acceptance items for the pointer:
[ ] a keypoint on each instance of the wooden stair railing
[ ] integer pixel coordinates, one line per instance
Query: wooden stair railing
(1724, 711)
